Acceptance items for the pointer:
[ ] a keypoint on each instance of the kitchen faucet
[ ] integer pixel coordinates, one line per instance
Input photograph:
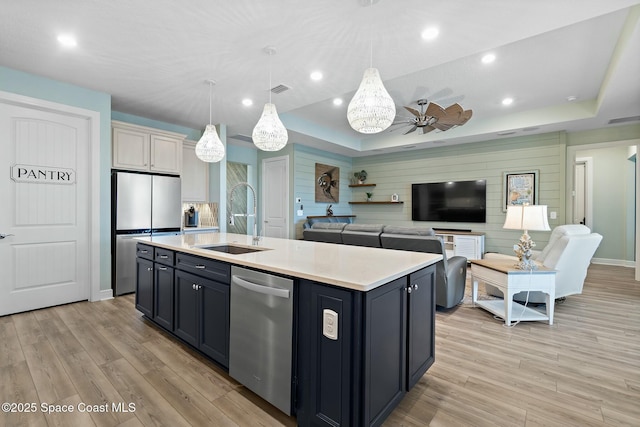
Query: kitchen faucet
(256, 238)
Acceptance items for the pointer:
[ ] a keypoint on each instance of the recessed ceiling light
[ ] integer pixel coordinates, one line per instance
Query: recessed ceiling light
(67, 40)
(316, 75)
(507, 101)
(572, 98)
(488, 58)
(247, 102)
(430, 33)
(337, 101)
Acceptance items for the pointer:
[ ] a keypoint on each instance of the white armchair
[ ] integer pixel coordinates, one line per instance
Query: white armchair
(569, 252)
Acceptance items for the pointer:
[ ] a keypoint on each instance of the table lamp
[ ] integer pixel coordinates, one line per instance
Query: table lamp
(526, 217)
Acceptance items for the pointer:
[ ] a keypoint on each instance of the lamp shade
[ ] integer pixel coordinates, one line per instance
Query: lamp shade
(210, 148)
(269, 134)
(526, 217)
(371, 109)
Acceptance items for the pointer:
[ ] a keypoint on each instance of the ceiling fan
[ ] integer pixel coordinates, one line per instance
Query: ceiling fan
(435, 117)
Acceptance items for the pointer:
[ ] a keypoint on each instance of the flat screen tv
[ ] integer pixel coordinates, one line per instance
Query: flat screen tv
(453, 201)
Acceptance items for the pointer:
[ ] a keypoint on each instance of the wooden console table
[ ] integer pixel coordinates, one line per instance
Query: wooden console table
(503, 275)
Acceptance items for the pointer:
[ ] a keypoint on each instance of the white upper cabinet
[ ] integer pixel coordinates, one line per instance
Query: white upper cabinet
(195, 175)
(142, 148)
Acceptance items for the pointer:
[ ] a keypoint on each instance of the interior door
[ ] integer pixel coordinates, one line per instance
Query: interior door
(45, 183)
(275, 196)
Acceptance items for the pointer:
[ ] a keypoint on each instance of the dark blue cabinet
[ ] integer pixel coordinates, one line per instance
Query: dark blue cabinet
(385, 344)
(202, 314)
(144, 286)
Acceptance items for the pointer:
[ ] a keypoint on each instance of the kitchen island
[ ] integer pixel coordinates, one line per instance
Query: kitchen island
(363, 324)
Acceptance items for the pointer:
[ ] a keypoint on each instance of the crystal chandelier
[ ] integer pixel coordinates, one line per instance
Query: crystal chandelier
(210, 149)
(371, 109)
(269, 134)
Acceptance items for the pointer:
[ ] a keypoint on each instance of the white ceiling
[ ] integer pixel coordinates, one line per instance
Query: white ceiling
(154, 57)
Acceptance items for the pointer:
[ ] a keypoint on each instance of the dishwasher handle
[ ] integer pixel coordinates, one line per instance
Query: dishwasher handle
(254, 287)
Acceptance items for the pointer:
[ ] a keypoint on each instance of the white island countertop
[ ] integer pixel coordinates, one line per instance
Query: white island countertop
(353, 267)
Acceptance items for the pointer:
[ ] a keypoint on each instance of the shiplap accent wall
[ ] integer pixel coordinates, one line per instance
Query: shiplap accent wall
(304, 165)
(394, 173)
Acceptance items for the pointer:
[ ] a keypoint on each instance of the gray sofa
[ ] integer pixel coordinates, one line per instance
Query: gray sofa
(451, 273)
(342, 219)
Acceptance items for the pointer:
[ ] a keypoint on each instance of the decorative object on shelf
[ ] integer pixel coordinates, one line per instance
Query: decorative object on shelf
(435, 117)
(269, 134)
(520, 188)
(327, 184)
(369, 196)
(526, 217)
(371, 109)
(210, 149)
(329, 210)
(361, 176)
(395, 198)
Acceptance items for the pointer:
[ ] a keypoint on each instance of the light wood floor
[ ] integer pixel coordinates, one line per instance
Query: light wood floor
(582, 371)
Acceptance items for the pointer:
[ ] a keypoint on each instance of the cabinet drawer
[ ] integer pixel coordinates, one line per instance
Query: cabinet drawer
(144, 251)
(164, 256)
(209, 268)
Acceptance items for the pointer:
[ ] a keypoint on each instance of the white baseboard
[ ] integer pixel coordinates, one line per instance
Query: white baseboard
(105, 294)
(619, 262)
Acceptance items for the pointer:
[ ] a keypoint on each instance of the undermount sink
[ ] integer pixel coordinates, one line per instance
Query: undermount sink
(232, 249)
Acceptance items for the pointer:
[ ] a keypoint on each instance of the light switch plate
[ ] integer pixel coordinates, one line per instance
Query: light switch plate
(298, 200)
(330, 324)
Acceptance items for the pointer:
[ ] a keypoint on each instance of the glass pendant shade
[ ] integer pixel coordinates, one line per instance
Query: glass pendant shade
(210, 148)
(269, 134)
(372, 109)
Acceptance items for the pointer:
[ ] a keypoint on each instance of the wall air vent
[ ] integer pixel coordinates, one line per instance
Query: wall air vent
(624, 120)
(241, 137)
(280, 88)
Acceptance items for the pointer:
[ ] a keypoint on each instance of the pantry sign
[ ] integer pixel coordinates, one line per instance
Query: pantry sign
(42, 174)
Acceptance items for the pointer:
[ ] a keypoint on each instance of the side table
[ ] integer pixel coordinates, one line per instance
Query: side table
(503, 274)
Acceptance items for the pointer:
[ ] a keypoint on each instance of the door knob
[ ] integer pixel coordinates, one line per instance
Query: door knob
(2, 236)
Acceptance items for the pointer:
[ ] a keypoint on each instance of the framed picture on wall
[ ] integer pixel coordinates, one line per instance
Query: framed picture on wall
(327, 184)
(520, 188)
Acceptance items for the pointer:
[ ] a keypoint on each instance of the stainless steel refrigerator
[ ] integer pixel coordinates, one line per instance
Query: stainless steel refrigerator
(142, 205)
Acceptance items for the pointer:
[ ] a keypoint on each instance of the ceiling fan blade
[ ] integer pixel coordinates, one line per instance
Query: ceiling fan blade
(465, 116)
(441, 126)
(413, 128)
(454, 109)
(413, 111)
(427, 129)
(434, 110)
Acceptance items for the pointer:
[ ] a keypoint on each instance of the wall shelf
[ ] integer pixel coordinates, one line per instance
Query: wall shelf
(362, 185)
(376, 203)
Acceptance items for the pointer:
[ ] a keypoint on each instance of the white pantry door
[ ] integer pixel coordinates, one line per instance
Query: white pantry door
(275, 196)
(44, 183)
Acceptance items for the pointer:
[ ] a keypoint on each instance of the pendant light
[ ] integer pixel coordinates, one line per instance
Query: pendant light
(269, 134)
(210, 149)
(371, 109)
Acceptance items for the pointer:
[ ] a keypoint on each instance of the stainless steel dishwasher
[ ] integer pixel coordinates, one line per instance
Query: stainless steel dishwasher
(261, 334)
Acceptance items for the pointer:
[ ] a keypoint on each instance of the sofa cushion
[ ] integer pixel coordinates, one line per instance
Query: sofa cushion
(328, 226)
(364, 228)
(415, 231)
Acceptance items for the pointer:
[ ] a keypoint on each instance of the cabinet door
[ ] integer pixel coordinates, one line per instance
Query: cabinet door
(186, 322)
(144, 286)
(214, 326)
(385, 345)
(166, 154)
(130, 149)
(420, 324)
(328, 369)
(195, 175)
(163, 296)
(467, 246)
